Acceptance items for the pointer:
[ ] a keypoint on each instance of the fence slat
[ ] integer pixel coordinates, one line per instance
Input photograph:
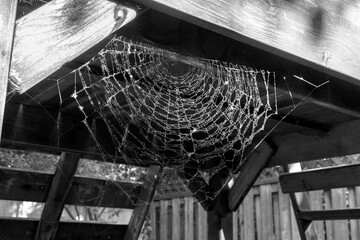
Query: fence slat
(353, 223)
(258, 216)
(266, 212)
(176, 222)
(276, 212)
(201, 223)
(164, 210)
(189, 218)
(317, 204)
(328, 224)
(249, 221)
(236, 227)
(338, 197)
(285, 227)
(153, 221)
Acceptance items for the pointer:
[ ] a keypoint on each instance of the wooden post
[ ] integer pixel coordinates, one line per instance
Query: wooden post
(146, 196)
(59, 190)
(7, 28)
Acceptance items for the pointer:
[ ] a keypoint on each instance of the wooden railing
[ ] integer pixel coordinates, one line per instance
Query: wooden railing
(265, 214)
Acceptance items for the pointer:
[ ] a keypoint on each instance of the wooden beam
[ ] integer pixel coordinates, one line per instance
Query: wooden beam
(323, 178)
(340, 141)
(145, 198)
(21, 228)
(336, 214)
(60, 187)
(249, 172)
(21, 185)
(321, 35)
(7, 28)
(58, 32)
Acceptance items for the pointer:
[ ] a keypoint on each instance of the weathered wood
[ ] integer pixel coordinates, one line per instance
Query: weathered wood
(285, 222)
(316, 201)
(7, 28)
(145, 198)
(249, 171)
(266, 212)
(354, 229)
(164, 211)
(21, 185)
(55, 200)
(58, 32)
(339, 141)
(189, 218)
(334, 214)
(20, 229)
(339, 201)
(323, 178)
(249, 221)
(176, 223)
(319, 35)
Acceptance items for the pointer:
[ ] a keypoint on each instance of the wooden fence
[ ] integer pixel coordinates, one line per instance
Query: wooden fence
(265, 214)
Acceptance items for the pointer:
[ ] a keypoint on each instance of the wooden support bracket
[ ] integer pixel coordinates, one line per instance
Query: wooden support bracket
(144, 200)
(249, 172)
(59, 190)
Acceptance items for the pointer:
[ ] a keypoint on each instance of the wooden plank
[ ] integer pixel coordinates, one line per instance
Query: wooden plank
(189, 218)
(354, 230)
(164, 219)
(276, 212)
(328, 224)
(318, 35)
(20, 229)
(340, 141)
(339, 201)
(323, 178)
(258, 216)
(145, 198)
(317, 204)
(249, 220)
(266, 212)
(249, 172)
(334, 214)
(55, 200)
(64, 29)
(25, 185)
(236, 225)
(202, 231)
(7, 28)
(153, 221)
(176, 223)
(295, 233)
(285, 223)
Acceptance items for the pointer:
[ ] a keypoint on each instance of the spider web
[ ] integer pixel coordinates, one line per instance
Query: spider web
(197, 116)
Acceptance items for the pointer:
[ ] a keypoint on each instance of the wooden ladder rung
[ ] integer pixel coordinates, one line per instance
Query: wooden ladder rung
(319, 179)
(334, 214)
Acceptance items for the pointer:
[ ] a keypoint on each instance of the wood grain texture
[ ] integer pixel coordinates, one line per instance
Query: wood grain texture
(322, 35)
(23, 229)
(249, 172)
(55, 200)
(324, 178)
(340, 141)
(59, 31)
(145, 198)
(7, 27)
(189, 218)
